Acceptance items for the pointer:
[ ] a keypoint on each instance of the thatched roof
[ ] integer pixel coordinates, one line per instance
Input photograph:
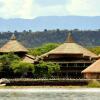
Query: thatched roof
(29, 58)
(13, 46)
(94, 68)
(70, 47)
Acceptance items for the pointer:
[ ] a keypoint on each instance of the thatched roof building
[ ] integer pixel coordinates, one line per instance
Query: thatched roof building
(72, 58)
(93, 71)
(70, 47)
(13, 46)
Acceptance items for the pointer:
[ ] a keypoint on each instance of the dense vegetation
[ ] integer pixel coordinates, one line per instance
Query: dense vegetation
(34, 39)
(96, 50)
(42, 49)
(46, 69)
(12, 66)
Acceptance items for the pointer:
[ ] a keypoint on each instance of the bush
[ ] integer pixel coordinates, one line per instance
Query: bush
(94, 83)
(5, 63)
(22, 67)
(96, 50)
(46, 69)
(7, 59)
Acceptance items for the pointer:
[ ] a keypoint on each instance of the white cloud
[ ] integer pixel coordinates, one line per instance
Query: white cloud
(28, 9)
(32, 9)
(25, 9)
(17, 8)
(84, 7)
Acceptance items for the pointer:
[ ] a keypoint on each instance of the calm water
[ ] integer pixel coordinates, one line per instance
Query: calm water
(48, 94)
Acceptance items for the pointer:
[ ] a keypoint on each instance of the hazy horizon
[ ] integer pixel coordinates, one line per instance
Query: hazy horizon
(37, 15)
(51, 16)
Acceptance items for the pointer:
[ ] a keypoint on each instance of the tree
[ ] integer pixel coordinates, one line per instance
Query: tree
(24, 31)
(58, 30)
(30, 31)
(5, 63)
(45, 30)
(43, 49)
(52, 68)
(15, 32)
(7, 59)
(22, 68)
(46, 69)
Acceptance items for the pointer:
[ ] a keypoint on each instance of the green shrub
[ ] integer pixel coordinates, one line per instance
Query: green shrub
(96, 50)
(46, 69)
(22, 67)
(94, 83)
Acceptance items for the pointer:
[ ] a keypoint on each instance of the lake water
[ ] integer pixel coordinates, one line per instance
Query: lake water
(49, 94)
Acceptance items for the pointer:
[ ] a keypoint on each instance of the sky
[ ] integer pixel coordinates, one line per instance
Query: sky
(29, 9)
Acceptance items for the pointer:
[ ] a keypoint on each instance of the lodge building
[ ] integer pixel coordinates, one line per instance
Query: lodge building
(72, 58)
(14, 46)
(92, 71)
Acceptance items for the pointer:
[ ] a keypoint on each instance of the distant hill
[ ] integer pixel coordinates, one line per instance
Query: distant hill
(51, 22)
(34, 39)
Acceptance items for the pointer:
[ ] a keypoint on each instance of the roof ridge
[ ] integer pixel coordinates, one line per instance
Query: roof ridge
(70, 38)
(13, 37)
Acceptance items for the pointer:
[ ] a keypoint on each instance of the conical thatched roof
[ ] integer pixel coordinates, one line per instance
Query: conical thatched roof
(13, 46)
(94, 68)
(70, 47)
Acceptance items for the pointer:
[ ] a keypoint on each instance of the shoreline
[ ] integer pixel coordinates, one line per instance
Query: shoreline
(14, 87)
(51, 89)
(43, 87)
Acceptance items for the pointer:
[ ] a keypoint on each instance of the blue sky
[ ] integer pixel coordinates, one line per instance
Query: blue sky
(29, 9)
